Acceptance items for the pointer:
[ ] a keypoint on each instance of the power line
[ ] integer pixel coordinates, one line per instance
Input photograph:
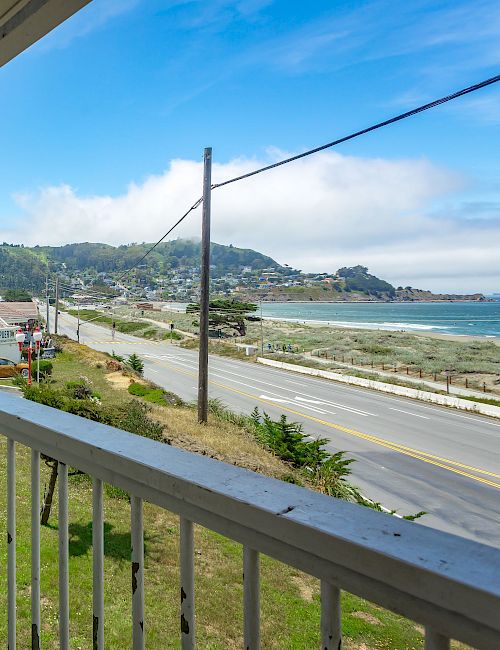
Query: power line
(374, 127)
(136, 264)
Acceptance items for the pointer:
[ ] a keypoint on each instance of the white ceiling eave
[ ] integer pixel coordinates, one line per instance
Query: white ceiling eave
(23, 22)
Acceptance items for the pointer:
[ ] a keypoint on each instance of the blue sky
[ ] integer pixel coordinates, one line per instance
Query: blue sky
(124, 88)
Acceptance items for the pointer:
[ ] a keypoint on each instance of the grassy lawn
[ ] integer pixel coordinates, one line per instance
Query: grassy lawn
(290, 599)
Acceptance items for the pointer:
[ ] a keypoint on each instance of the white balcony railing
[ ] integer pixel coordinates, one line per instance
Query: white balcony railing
(448, 584)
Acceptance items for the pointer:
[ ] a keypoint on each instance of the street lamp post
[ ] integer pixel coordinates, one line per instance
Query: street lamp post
(20, 341)
(37, 337)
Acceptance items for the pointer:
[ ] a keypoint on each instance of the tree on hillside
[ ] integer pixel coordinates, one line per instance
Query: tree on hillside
(357, 278)
(227, 314)
(17, 295)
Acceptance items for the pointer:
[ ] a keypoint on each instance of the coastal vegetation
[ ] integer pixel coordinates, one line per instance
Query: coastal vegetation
(471, 363)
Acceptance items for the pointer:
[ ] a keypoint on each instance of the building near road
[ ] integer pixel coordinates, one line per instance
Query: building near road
(9, 348)
(21, 314)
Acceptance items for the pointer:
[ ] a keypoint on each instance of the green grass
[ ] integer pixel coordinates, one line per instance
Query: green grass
(139, 328)
(482, 400)
(153, 395)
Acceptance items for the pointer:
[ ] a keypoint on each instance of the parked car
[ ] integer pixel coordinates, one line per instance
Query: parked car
(10, 369)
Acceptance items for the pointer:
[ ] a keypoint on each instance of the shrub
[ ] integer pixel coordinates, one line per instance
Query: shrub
(289, 442)
(331, 478)
(136, 420)
(85, 408)
(79, 389)
(113, 366)
(44, 394)
(45, 369)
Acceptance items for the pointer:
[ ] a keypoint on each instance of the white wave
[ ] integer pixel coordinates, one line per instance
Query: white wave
(413, 326)
(358, 324)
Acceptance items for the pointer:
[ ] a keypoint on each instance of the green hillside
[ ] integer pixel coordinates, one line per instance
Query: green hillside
(169, 255)
(21, 267)
(26, 268)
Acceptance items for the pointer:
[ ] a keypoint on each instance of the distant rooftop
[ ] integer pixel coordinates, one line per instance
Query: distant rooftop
(12, 313)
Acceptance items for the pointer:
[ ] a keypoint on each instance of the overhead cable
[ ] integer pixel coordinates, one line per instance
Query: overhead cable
(374, 127)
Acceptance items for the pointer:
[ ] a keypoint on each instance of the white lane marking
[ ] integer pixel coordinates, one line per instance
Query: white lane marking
(153, 370)
(273, 399)
(242, 383)
(424, 417)
(477, 418)
(473, 418)
(309, 401)
(287, 401)
(323, 401)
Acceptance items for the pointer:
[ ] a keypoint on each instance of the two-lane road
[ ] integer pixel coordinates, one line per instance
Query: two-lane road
(410, 456)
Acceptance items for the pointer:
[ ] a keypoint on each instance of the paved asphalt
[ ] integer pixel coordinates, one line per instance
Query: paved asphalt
(409, 456)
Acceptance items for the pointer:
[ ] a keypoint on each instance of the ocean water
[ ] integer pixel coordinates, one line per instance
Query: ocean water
(457, 318)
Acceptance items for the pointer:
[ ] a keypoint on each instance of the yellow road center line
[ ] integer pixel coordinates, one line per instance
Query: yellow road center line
(394, 446)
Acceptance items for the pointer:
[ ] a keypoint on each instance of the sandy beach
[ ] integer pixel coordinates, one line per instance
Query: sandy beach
(335, 325)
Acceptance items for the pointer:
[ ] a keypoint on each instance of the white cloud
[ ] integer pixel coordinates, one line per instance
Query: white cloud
(317, 214)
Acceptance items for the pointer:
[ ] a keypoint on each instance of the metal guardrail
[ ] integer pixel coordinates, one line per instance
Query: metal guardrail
(448, 584)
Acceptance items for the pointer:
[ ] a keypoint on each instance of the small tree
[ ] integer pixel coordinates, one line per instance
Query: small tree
(227, 314)
(135, 363)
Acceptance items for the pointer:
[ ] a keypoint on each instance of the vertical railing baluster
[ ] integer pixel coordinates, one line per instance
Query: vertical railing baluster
(187, 584)
(435, 641)
(137, 573)
(251, 598)
(331, 625)
(35, 550)
(11, 542)
(98, 567)
(63, 559)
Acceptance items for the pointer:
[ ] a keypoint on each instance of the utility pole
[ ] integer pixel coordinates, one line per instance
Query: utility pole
(204, 288)
(78, 325)
(57, 304)
(261, 331)
(47, 303)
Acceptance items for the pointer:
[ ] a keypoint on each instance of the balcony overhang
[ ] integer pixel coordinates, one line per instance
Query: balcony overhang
(23, 22)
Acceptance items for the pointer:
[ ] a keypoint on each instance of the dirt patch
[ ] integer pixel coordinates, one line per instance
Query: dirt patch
(119, 380)
(306, 587)
(365, 616)
(347, 644)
